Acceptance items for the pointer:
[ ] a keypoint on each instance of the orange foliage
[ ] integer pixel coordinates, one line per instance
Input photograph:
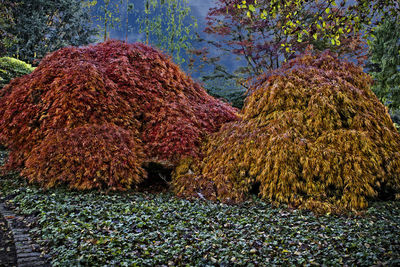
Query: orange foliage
(313, 135)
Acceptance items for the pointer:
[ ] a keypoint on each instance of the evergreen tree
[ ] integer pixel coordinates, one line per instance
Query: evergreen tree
(384, 63)
(6, 21)
(42, 26)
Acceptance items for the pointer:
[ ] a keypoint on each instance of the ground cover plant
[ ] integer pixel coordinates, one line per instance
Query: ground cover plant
(92, 117)
(7, 251)
(313, 135)
(136, 229)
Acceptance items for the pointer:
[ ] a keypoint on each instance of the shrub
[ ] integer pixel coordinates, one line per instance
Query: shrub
(91, 156)
(11, 68)
(129, 86)
(313, 135)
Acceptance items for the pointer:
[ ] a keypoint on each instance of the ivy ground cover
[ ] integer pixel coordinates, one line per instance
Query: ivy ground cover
(135, 229)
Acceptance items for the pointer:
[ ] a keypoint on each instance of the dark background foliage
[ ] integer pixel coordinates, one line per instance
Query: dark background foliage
(38, 27)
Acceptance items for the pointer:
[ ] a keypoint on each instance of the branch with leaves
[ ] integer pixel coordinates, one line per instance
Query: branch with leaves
(347, 16)
(168, 25)
(263, 44)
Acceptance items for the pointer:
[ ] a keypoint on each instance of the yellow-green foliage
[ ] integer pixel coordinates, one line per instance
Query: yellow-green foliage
(313, 135)
(11, 68)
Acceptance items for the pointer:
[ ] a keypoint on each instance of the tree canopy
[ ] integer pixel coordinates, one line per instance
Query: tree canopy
(343, 16)
(39, 27)
(263, 44)
(6, 21)
(384, 62)
(168, 25)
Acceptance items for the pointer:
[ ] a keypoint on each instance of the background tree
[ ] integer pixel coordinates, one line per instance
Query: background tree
(168, 25)
(384, 62)
(6, 22)
(108, 15)
(262, 43)
(348, 16)
(129, 7)
(41, 26)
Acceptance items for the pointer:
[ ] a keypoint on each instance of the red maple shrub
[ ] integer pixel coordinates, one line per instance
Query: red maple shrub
(313, 135)
(90, 156)
(131, 86)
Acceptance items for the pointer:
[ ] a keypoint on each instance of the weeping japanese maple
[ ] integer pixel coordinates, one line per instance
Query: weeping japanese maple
(313, 135)
(110, 99)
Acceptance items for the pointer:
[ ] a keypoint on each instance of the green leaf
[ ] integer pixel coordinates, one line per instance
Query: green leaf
(252, 8)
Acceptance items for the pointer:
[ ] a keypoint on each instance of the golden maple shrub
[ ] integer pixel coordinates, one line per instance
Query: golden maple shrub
(312, 135)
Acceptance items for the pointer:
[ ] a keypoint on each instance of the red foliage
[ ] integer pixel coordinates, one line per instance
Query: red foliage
(264, 44)
(91, 156)
(131, 86)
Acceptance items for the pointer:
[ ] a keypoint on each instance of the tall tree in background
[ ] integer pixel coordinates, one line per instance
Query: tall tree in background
(263, 44)
(41, 26)
(129, 7)
(384, 62)
(6, 22)
(168, 25)
(348, 16)
(108, 14)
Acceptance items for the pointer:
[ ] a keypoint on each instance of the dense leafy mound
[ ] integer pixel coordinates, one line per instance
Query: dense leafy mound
(127, 87)
(86, 157)
(313, 135)
(11, 68)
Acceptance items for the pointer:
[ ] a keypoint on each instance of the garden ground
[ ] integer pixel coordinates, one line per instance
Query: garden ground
(7, 248)
(143, 229)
